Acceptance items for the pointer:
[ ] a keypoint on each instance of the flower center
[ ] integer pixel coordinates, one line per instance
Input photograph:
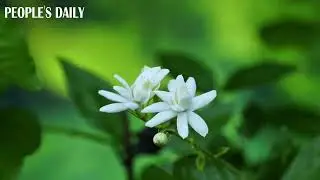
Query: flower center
(181, 99)
(142, 90)
(147, 84)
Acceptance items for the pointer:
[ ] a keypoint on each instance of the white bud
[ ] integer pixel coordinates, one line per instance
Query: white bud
(160, 139)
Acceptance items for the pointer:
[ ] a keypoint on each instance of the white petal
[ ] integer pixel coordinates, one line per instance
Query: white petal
(172, 86)
(183, 98)
(161, 118)
(112, 96)
(203, 100)
(148, 97)
(141, 94)
(157, 68)
(145, 68)
(180, 78)
(156, 107)
(160, 75)
(122, 81)
(113, 108)
(182, 125)
(180, 81)
(177, 108)
(132, 105)
(191, 85)
(198, 124)
(164, 96)
(123, 91)
(150, 73)
(138, 80)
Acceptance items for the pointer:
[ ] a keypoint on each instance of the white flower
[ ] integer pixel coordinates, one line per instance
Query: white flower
(181, 101)
(148, 81)
(131, 97)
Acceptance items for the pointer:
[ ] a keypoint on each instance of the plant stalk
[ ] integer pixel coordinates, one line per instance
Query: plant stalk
(129, 155)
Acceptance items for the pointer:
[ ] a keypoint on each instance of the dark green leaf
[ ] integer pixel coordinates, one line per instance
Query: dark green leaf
(275, 168)
(217, 114)
(306, 165)
(292, 117)
(298, 119)
(234, 156)
(258, 75)
(83, 89)
(269, 143)
(185, 169)
(313, 57)
(254, 120)
(16, 64)
(20, 136)
(184, 64)
(10, 169)
(290, 33)
(156, 173)
(19, 132)
(179, 146)
(270, 96)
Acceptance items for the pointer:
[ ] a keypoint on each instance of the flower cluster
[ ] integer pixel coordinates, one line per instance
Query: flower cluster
(179, 101)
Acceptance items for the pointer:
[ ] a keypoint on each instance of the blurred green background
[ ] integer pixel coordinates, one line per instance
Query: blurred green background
(261, 56)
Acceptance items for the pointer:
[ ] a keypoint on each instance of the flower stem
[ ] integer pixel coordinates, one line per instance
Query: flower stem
(193, 144)
(197, 147)
(205, 152)
(129, 155)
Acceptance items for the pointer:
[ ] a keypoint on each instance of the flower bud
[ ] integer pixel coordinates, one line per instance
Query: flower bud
(160, 139)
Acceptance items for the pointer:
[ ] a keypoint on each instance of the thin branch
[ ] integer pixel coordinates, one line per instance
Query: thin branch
(129, 155)
(192, 143)
(76, 133)
(207, 153)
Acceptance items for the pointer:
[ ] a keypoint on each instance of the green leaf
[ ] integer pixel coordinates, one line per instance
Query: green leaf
(306, 164)
(156, 173)
(290, 33)
(217, 114)
(185, 169)
(20, 136)
(293, 117)
(267, 144)
(274, 168)
(83, 89)
(313, 57)
(270, 96)
(16, 64)
(258, 75)
(253, 121)
(9, 170)
(184, 64)
(63, 158)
